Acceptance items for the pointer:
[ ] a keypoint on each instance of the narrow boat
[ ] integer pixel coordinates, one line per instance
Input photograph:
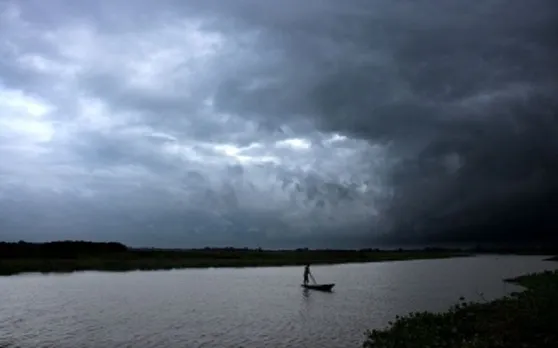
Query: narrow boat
(319, 287)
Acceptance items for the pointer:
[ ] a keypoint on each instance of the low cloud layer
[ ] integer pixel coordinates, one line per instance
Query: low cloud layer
(285, 123)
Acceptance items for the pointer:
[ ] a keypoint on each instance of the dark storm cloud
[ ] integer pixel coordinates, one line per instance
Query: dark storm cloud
(178, 114)
(464, 93)
(398, 69)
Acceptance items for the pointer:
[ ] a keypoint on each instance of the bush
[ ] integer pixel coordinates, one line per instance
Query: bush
(526, 319)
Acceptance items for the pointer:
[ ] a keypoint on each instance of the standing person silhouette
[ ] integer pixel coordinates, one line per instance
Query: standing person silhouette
(306, 273)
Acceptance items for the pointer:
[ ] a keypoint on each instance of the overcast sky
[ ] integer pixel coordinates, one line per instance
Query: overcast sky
(278, 123)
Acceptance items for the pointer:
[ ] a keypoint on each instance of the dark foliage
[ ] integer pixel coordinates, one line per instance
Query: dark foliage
(77, 256)
(528, 320)
(58, 250)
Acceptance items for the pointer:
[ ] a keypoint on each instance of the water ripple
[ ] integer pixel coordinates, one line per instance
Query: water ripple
(250, 308)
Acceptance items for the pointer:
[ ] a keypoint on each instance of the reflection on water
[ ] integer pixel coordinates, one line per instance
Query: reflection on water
(253, 307)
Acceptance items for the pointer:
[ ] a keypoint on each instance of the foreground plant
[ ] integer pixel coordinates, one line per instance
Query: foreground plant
(526, 319)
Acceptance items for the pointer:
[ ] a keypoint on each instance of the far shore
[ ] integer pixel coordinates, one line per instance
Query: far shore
(72, 256)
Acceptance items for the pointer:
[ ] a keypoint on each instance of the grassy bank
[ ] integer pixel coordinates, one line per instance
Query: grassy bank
(526, 319)
(68, 258)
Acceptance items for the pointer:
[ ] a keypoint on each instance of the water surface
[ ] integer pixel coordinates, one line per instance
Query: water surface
(251, 307)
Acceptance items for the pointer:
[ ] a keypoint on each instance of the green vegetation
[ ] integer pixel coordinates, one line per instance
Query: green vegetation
(71, 256)
(526, 319)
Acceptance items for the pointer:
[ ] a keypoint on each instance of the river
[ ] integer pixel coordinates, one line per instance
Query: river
(251, 307)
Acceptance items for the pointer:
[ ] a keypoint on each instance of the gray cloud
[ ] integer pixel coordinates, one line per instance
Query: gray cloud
(260, 122)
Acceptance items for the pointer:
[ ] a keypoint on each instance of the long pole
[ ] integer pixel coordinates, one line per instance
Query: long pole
(311, 276)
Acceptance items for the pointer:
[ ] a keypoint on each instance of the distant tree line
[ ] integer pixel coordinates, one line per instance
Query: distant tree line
(59, 249)
(80, 249)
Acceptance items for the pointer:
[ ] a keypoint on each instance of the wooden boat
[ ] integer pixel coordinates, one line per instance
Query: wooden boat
(319, 287)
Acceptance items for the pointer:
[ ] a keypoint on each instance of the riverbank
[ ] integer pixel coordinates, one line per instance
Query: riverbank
(526, 319)
(16, 258)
